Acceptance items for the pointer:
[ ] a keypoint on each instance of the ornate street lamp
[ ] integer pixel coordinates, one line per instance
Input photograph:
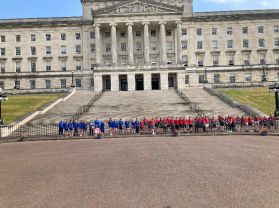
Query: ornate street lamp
(275, 89)
(73, 84)
(3, 97)
(205, 81)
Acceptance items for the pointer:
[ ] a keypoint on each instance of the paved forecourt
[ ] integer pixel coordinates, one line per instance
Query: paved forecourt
(228, 171)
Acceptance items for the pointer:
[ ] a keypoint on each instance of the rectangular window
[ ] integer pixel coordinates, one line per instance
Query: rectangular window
(63, 50)
(138, 46)
(184, 45)
(18, 51)
(230, 59)
(63, 83)
(33, 51)
(185, 60)
(48, 66)
(187, 80)
(78, 49)
(123, 47)
(138, 34)
(33, 66)
(92, 35)
(78, 36)
(123, 61)
(3, 39)
(199, 31)
(18, 67)
(2, 51)
(93, 48)
(183, 31)
(230, 44)
(248, 77)
(246, 59)
(200, 61)
(276, 42)
(108, 61)
(78, 83)
(48, 37)
(18, 38)
(32, 84)
(201, 79)
(2, 84)
(17, 84)
(107, 34)
(153, 46)
(48, 50)
(245, 43)
(261, 29)
(215, 59)
(199, 45)
(262, 57)
(2, 67)
(153, 33)
(123, 34)
(244, 30)
(214, 31)
(48, 84)
(63, 65)
(214, 44)
(168, 33)
(232, 78)
(33, 38)
(261, 43)
(169, 45)
(78, 65)
(63, 36)
(217, 78)
(108, 47)
(139, 60)
(229, 30)
(276, 29)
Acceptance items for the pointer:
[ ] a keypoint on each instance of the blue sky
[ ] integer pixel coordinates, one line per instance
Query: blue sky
(63, 8)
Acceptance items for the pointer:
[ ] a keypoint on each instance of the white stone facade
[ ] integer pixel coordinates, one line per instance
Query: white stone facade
(139, 45)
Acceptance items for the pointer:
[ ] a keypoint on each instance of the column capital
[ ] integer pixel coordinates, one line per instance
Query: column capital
(113, 24)
(162, 22)
(96, 25)
(129, 24)
(145, 23)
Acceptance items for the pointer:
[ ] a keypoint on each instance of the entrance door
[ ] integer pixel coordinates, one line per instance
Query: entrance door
(123, 83)
(106, 83)
(139, 82)
(172, 80)
(156, 83)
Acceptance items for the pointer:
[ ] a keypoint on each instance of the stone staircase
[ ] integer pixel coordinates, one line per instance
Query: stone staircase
(65, 110)
(211, 105)
(137, 104)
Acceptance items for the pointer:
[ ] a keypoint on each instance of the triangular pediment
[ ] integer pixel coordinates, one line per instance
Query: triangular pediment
(137, 7)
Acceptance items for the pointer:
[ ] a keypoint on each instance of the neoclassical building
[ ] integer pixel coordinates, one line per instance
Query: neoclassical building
(122, 45)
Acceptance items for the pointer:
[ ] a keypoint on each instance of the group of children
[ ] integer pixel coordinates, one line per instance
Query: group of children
(167, 125)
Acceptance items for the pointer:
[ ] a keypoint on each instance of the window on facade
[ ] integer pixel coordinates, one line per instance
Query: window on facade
(200, 60)
(3, 38)
(78, 65)
(153, 46)
(32, 84)
(123, 34)
(201, 79)
(276, 55)
(183, 31)
(123, 61)
(153, 33)
(33, 51)
(108, 47)
(276, 29)
(63, 36)
(138, 46)
(230, 44)
(48, 65)
(107, 34)
(78, 49)
(215, 59)
(139, 60)
(18, 38)
(63, 50)
(199, 45)
(93, 48)
(48, 50)
(63, 65)
(185, 60)
(170, 59)
(33, 66)
(245, 43)
(123, 47)
(108, 61)
(262, 57)
(18, 51)
(217, 78)
(48, 37)
(246, 59)
(2, 84)
(2, 67)
(154, 60)
(92, 35)
(2, 51)
(93, 63)
(78, 83)
(169, 45)
(214, 31)
(168, 33)
(138, 34)
(261, 43)
(78, 36)
(248, 77)
(199, 31)
(229, 30)
(17, 84)
(232, 78)
(63, 83)
(261, 29)
(33, 38)
(230, 59)
(187, 79)
(276, 42)
(244, 30)
(184, 45)
(214, 44)
(18, 66)
(48, 84)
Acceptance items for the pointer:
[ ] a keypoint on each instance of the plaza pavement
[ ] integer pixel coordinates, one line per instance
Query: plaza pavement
(225, 172)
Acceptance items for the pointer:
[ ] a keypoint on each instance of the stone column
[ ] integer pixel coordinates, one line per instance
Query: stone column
(131, 82)
(113, 43)
(114, 82)
(179, 49)
(163, 42)
(98, 83)
(146, 43)
(98, 44)
(147, 81)
(164, 76)
(130, 44)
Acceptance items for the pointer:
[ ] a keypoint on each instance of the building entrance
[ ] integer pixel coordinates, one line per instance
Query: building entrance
(123, 83)
(106, 83)
(172, 80)
(139, 82)
(156, 82)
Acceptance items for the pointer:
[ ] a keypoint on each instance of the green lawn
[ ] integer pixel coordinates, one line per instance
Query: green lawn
(260, 98)
(19, 105)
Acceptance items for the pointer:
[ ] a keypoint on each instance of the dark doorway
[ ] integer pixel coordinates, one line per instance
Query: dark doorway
(123, 83)
(172, 79)
(156, 82)
(139, 82)
(106, 83)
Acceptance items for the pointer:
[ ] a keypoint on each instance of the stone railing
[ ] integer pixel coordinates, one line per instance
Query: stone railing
(241, 84)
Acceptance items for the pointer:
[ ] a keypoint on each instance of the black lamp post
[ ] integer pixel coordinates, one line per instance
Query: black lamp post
(3, 97)
(264, 79)
(205, 81)
(275, 89)
(73, 84)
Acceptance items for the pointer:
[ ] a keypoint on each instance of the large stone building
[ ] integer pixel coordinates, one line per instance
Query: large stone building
(139, 45)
